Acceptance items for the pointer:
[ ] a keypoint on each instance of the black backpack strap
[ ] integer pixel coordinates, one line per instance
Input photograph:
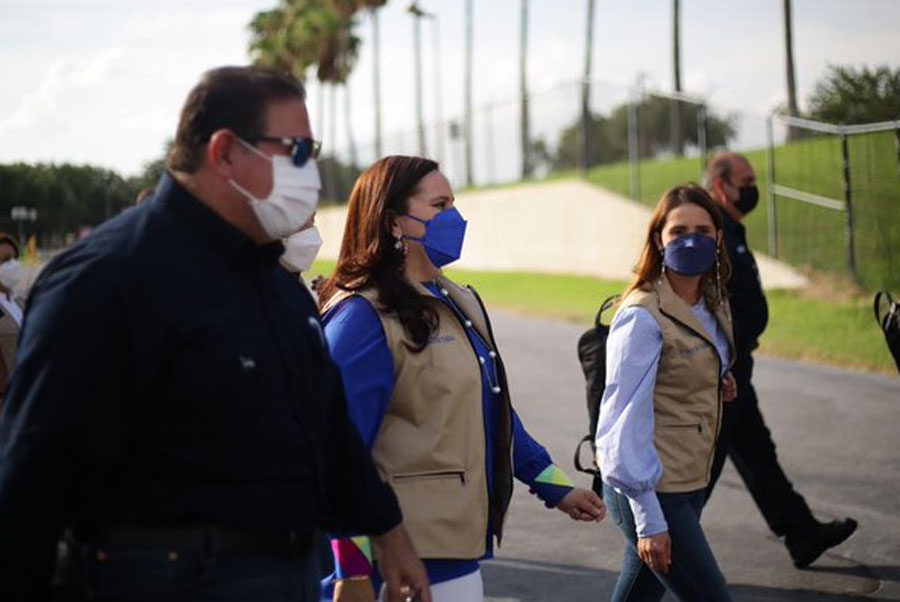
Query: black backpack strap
(890, 305)
(607, 303)
(577, 460)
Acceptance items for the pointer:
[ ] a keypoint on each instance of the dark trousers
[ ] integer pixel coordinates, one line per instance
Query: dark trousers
(120, 573)
(694, 575)
(746, 439)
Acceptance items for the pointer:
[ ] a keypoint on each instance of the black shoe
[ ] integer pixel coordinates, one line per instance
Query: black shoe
(804, 550)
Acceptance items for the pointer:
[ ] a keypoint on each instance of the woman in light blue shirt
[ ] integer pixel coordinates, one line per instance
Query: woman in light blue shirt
(668, 354)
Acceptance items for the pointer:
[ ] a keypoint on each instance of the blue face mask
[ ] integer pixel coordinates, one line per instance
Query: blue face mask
(690, 254)
(444, 234)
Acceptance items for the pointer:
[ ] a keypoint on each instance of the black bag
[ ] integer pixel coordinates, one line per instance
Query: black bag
(592, 355)
(889, 323)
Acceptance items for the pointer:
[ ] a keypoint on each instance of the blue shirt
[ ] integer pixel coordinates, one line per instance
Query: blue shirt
(626, 454)
(358, 344)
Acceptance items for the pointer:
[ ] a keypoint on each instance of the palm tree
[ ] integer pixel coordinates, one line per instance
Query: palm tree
(523, 91)
(417, 14)
(372, 6)
(302, 33)
(677, 140)
(467, 103)
(789, 65)
(586, 90)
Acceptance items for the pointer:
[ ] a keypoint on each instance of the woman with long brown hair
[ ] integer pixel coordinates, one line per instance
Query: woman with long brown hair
(669, 350)
(426, 385)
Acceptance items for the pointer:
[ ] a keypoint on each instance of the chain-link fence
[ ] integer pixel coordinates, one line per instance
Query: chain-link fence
(640, 142)
(834, 198)
(622, 128)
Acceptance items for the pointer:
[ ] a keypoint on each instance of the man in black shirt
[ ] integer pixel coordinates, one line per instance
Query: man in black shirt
(174, 408)
(744, 436)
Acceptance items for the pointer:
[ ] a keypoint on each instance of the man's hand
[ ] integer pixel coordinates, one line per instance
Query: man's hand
(583, 504)
(404, 574)
(656, 551)
(355, 589)
(729, 387)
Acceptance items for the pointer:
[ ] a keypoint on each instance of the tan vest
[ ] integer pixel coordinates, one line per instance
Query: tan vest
(687, 401)
(431, 443)
(9, 332)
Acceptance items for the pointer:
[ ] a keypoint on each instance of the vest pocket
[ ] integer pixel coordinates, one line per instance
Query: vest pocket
(452, 474)
(444, 511)
(694, 426)
(683, 451)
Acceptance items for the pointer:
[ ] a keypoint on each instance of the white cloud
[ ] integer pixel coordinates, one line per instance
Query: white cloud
(101, 66)
(63, 81)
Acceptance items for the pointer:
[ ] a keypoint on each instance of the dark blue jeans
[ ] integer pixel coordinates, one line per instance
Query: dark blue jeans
(132, 574)
(693, 575)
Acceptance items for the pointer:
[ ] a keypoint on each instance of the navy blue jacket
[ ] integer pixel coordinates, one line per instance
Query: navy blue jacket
(171, 372)
(749, 310)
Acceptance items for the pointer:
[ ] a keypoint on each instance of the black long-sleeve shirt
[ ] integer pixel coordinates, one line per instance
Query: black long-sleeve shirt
(171, 372)
(749, 310)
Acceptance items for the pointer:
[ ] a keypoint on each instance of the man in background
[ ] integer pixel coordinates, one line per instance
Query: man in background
(745, 438)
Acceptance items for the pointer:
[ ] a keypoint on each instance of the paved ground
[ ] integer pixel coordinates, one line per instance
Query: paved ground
(837, 438)
(562, 226)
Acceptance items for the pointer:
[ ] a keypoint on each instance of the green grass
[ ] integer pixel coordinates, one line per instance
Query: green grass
(841, 333)
(808, 236)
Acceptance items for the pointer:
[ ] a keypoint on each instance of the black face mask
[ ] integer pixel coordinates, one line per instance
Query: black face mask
(749, 197)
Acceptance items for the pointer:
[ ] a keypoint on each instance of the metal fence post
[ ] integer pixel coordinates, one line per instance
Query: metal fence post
(848, 197)
(634, 151)
(701, 138)
(770, 190)
(897, 132)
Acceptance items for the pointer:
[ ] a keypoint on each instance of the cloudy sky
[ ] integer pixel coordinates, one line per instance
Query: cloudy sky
(102, 81)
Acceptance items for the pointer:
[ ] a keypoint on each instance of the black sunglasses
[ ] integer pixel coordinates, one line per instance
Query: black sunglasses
(302, 149)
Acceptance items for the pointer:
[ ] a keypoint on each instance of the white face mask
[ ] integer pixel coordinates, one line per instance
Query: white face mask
(293, 199)
(10, 273)
(300, 249)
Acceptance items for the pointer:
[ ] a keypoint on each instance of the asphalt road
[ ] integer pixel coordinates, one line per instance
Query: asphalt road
(838, 440)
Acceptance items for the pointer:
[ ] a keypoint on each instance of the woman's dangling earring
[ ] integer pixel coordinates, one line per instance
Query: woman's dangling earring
(662, 261)
(400, 245)
(719, 280)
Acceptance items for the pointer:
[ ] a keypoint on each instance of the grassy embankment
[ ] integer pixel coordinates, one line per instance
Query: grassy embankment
(801, 327)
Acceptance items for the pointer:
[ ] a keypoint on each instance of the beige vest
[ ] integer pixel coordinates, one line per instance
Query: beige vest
(431, 443)
(687, 401)
(9, 332)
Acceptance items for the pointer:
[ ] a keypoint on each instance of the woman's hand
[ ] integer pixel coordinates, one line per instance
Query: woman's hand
(656, 551)
(583, 504)
(355, 589)
(729, 387)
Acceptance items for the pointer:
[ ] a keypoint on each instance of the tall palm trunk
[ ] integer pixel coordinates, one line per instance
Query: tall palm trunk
(586, 91)
(332, 137)
(523, 92)
(467, 134)
(417, 65)
(376, 79)
(348, 123)
(320, 116)
(676, 137)
(789, 65)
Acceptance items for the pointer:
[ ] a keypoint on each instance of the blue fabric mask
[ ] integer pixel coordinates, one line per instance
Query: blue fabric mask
(444, 234)
(690, 254)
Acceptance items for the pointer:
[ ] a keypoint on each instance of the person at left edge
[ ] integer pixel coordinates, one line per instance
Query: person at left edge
(426, 385)
(174, 406)
(10, 312)
(300, 250)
